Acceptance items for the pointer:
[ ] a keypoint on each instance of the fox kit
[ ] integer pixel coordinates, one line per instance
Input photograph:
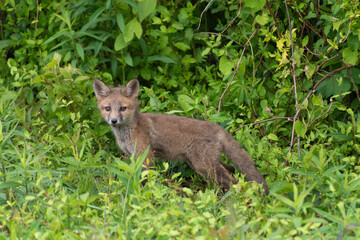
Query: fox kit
(199, 143)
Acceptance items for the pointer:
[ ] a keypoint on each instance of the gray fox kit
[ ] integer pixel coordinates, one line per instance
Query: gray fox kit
(175, 138)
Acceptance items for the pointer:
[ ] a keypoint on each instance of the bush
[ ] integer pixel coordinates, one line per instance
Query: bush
(286, 90)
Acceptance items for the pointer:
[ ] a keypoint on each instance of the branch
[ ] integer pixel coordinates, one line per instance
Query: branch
(314, 89)
(350, 76)
(262, 121)
(37, 14)
(294, 79)
(321, 64)
(274, 17)
(331, 103)
(206, 8)
(325, 77)
(318, 83)
(214, 33)
(233, 18)
(237, 68)
(312, 28)
(347, 35)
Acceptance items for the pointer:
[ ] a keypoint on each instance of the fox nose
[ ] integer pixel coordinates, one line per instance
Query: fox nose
(114, 121)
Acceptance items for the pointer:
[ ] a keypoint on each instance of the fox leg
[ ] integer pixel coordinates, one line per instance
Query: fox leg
(228, 167)
(204, 158)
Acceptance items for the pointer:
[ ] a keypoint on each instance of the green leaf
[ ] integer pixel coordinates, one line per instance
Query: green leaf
(188, 191)
(300, 106)
(123, 166)
(30, 198)
(225, 65)
(328, 216)
(206, 51)
(8, 95)
(273, 137)
(6, 43)
(242, 68)
(182, 46)
(80, 50)
(9, 185)
(132, 3)
(350, 56)
(146, 8)
(255, 5)
(178, 26)
(317, 100)
(163, 59)
(128, 59)
(186, 102)
(219, 117)
(329, 87)
(55, 36)
(306, 103)
(116, 171)
(120, 43)
(145, 73)
(132, 27)
(69, 160)
(1, 132)
(262, 20)
(336, 25)
(300, 128)
(350, 111)
(120, 22)
(93, 19)
(305, 40)
(108, 4)
(84, 197)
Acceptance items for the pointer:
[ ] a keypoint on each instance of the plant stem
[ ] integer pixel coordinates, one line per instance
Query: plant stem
(294, 82)
(237, 67)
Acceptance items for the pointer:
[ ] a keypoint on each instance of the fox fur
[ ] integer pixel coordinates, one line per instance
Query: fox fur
(175, 138)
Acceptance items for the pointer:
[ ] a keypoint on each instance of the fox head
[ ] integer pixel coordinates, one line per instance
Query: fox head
(117, 105)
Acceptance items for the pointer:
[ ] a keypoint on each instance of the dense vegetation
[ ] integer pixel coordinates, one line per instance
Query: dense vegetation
(282, 76)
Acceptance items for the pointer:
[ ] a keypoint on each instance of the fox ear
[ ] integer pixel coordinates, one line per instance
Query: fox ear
(100, 88)
(132, 88)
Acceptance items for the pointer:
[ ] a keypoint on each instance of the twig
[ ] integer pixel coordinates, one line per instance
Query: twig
(312, 28)
(347, 35)
(274, 17)
(216, 34)
(350, 76)
(314, 89)
(331, 103)
(315, 54)
(262, 121)
(326, 76)
(294, 78)
(178, 2)
(206, 8)
(233, 18)
(237, 67)
(37, 14)
(321, 64)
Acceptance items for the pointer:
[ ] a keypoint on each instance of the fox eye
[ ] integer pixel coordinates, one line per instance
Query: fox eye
(122, 109)
(107, 108)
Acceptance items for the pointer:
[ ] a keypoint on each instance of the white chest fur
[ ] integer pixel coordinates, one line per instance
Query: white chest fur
(123, 139)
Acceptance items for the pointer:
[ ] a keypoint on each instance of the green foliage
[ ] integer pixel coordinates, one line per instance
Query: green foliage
(62, 175)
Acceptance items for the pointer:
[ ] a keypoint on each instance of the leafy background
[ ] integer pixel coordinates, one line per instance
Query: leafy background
(282, 76)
